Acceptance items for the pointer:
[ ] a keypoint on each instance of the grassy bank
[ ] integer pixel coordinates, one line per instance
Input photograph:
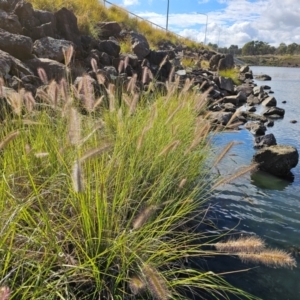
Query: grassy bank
(91, 12)
(272, 60)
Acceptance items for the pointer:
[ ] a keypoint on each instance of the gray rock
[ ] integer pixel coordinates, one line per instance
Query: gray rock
(258, 90)
(265, 141)
(293, 121)
(263, 77)
(277, 160)
(256, 128)
(254, 117)
(10, 22)
(108, 29)
(226, 84)
(226, 63)
(140, 45)
(274, 111)
(111, 47)
(48, 47)
(19, 46)
(214, 61)
(252, 100)
(13, 66)
(229, 107)
(269, 101)
(53, 69)
(244, 69)
(66, 26)
(220, 117)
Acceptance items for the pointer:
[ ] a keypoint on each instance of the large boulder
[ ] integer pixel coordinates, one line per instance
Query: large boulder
(111, 47)
(220, 117)
(256, 128)
(226, 83)
(274, 111)
(263, 77)
(277, 160)
(139, 45)
(19, 46)
(25, 13)
(108, 29)
(226, 63)
(269, 101)
(214, 61)
(10, 22)
(67, 27)
(48, 47)
(11, 66)
(53, 69)
(265, 140)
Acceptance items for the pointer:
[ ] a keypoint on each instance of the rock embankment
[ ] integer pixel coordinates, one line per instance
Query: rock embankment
(31, 40)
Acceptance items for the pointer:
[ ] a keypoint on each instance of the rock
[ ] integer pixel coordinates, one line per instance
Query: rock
(266, 87)
(263, 77)
(265, 141)
(258, 90)
(226, 83)
(254, 117)
(45, 17)
(220, 117)
(269, 101)
(157, 57)
(256, 128)
(140, 46)
(226, 63)
(13, 66)
(284, 102)
(10, 22)
(108, 29)
(48, 47)
(53, 69)
(231, 99)
(246, 88)
(66, 26)
(293, 121)
(214, 61)
(25, 13)
(274, 111)
(270, 123)
(19, 46)
(244, 69)
(251, 109)
(252, 100)
(277, 160)
(229, 107)
(111, 47)
(4, 4)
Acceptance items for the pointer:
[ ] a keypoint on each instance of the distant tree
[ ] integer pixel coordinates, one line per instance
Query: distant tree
(213, 46)
(292, 49)
(282, 48)
(249, 48)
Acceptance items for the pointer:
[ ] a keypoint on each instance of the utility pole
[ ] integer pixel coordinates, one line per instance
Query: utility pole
(167, 15)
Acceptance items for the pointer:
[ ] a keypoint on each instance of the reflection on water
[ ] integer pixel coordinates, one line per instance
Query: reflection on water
(260, 203)
(265, 180)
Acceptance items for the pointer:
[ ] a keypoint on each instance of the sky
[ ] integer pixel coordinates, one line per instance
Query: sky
(229, 22)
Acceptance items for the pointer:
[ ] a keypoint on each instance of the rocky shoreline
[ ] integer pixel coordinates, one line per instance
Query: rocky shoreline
(31, 40)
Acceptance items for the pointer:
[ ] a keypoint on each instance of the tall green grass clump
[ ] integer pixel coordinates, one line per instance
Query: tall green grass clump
(97, 196)
(231, 73)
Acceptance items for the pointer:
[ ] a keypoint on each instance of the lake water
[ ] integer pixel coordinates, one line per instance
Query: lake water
(260, 203)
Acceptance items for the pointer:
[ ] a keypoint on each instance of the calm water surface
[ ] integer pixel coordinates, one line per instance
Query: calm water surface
(260, 203)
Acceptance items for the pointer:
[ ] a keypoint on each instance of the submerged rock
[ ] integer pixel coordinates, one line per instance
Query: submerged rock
(277, 160)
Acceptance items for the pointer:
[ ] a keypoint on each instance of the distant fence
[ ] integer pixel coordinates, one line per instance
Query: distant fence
(140, 18)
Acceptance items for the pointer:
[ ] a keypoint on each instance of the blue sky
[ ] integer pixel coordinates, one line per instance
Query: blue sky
(230, 22)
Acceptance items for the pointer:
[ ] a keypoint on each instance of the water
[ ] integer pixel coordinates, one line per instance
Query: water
(260, 203)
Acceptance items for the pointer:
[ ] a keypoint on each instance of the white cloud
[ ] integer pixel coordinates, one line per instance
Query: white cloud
(130, 2)
(272, 21)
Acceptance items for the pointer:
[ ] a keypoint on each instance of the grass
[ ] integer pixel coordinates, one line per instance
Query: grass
(231, 73)
(94, 206)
